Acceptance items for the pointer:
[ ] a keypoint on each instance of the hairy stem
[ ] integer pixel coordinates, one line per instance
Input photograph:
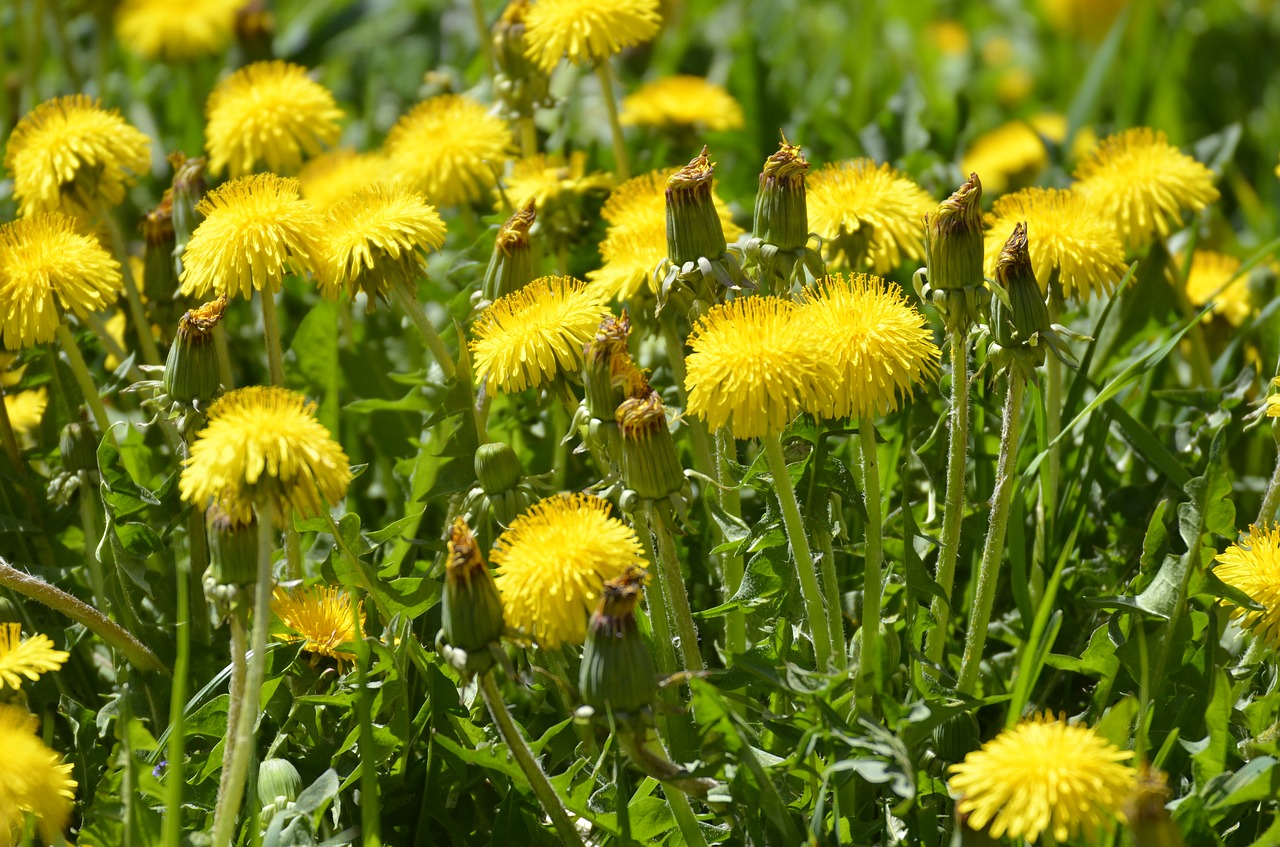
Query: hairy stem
(869, 658)
(271, 333)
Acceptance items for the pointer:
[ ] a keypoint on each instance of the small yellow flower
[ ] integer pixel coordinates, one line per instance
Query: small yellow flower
(1144, 184)
(950, 37)
(524, 339)
(450, 148)
(1089, 18)
(1252, 565)
(175, 31)
(1014, 153)
(1210, 278)
(550, 180)
(68, 154)
(321, 618)
(375, 238)
(586, 30)
(868, 214)
(26, 410)
(682, 101)
(47, 267)
(29, 658)
(265, 442)
(1043, 775)
(336, 174)
(270, 113)
(552, 564)
(255, 230)
(33, 780)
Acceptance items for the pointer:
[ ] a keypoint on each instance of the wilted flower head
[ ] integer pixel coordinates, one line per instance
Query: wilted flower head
(336, 174)
(869, 215)
(682, 101)
(1212, 276)
(26, 659)
(321, 617)
(173, 31)
(450, 148)
(586, 30)
(1252, 565)
(34, 780)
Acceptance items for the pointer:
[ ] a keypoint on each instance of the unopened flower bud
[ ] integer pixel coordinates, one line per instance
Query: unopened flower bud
(79, 448)
(471, 614)
(279, 782)
(159, 279)
(782, 216)
(693, 225)
(956, 737)
(511, 264)
(188, 190)
(604, 358)
(617, 670)
(233, 547)
(9, 612)
(1017, 322)
(191, 371)
(953, 239)
(497, 467)
(520, 84)
(650, 464)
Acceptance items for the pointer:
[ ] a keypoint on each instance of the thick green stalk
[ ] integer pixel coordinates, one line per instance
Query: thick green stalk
(239, 624)
(735, 631)
(407, 299)
(869, 657)
(370, 817)
(1271, 499)
(821, 531)
(84, 379)
(659, 604)
(175, 778)
(224, 357)
(483, 37)
(621, 166)
(141, 323)
(89, 528)
(271, 334)
(673, 587)
(685, 818)
(993, 549)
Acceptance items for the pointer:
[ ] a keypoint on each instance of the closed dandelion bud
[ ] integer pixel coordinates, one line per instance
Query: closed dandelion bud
(471, 614)
(191, 371)
(511, 265)
(159, 279)
(1145, 812)
(605, 357)
(617, 670)
(956, 737)
(693, 225)
(953, 239)
(79, 448)
(497, 467)
(782, 217)
(233, 547)
(520, 83)
(279, 783)
(1018, 322)
(188, 190)
(650, 464)
(9, 611)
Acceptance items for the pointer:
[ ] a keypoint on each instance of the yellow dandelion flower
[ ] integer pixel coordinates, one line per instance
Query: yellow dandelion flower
(524, 339)
(47, 267)
(265, 442)
(1066, 233)
(1210, 278)
(586, 30)
(376, 237)
(552, 564)
(449, 148)
(255, 230)
(548, 180)
(29, 658)
(950, 37)
(270, 113)
(26, 410)
(1089, 18)
(1043, 775)
(336, 174)
(752, 367)
(868, 214)
(33, 780)
(682, 101)
(321, 618)
(881, 346)
(1013, 154)
(1144, 184)
(69, 154)
(1252, 565)
(173, 31)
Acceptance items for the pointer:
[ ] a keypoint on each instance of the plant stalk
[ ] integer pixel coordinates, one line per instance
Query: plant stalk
(175, 777)
(84, 379)
(271, 333)
(953, 509)
(1270, 500)
(735, 632)
(621, 164)
(141, 323)
(407, 300)
(869, 657)
(674, 588)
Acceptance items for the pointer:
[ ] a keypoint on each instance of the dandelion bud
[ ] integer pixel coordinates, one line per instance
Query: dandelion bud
(1145, 812)
(9, 612)
(279, 783)
(605, 359)
(159, 278)
(497, 467)
(521, 85)
(650, 464)
(782, 217)
(79, 448)
(617, 670)
(1017, 322)
(233, 547)
(953, 239)
(188, 190)
(956, 737)
(511, 265)
(471, 615)
(693, 226)
(191, 371)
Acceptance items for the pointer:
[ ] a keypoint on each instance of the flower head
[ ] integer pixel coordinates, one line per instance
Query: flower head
(335, 174)
(375, 238)
(1089, 18)
(1043, 774)
(28, 658)
(1144, 184)
(1067, 234)
(526, 338)
(1211, 278)
(449, 148)
(320, 617)
(163, 29)
(682, 101)
(255, 230)
(548, 180)
(869, 215)
(70, 154)
(47, 267)
(881, 346)
(268, 113)
(265, 442)
(26, 409)
(752, 367)
(553, 561)
(1252, 565)
(33, 779)
(586, 30)
(1014, 153)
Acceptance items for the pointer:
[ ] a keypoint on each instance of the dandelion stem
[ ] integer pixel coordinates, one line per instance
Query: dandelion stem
(483, 37)
(673, 586)
(407, 300)
(869, 657)
(528, 137)
(993, 549)
(685, 818)
(271, 333)
(370, 818)
(85, 380)
(820, 529)
(731, 502)
(239, 624)
(224, 357)
(175, 777)
(621, 165)
(659, 611)
(819, 628)
(1267, 512)
(89, 528)
(141, 323)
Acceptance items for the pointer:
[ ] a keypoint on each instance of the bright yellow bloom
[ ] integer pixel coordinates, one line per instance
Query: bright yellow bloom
(1043, 775)
(1015, 153)
(255, 230)
(950, 37)
(28, 658)
(1210, 278)
(1252, 565)
(1066, 233)
(265, 442)
(115, 327)
(321, 618)
(586, 30)
(1144, 184)
(552, 564)
(270, 113)
(334, 175)
(682, 101)
(524, 339)
(869, 216)
(1089, 18)
(881, 346)
(26, 409)
(71, 155)
(377, 237)
(450, 148)
(753, 368)
(548, 180)
(46, 267)
(173, 31)
(33, 779)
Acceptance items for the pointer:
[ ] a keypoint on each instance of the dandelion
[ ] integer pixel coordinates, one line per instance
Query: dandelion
(265, 443)
(868, 215)
(69, 154)
(33, 780)
(321, 618)
(1014, 153)
(270, 113)
(47, 267)
(1144, 184)
(255, 230)
(1067, 234)
(586, 31)
(1212, 276)
(640, 204)
(1252, 565)
(336, 174)
(550, 180)
(684, 102)
(1043, 775)
(26, 410)
(169, 31)
(552, 564)
(1089, 18)
(28, 659)
(524, 339)
(449, 148)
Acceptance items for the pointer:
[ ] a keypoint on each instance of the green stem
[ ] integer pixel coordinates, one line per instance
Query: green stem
(659, 611)
(89, 528)
(370, 817)
(83, 379)
(819, 628)
(528, 137)
(271, 334)
(685, 818)
(621, 165)
(94, 320)
(239, 624)
(869, 658)
(175, 777)
(674, 588)
(483, 37)
(141, 323)
(820, 529)
(993, 549)
(224, 357)
(735, 633)
(407, 300)
(362, 572)
(542, 788)
(953, 509)
(1267, 512)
